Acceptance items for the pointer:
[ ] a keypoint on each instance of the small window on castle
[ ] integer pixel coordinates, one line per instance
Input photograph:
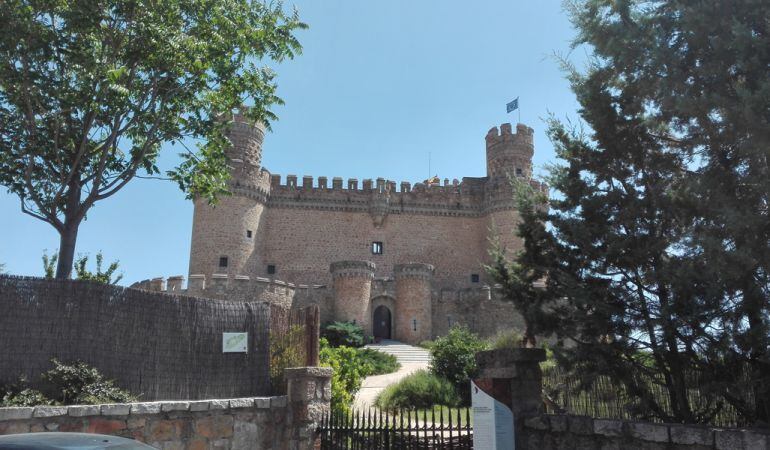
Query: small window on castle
(519, 172)
(474, 278)
(223, 261)
(414, 324)
(376, 248)
(248, 234)
(271, 269)
(449, 321)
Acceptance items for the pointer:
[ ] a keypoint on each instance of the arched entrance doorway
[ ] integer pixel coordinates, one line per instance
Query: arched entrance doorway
(381, 322)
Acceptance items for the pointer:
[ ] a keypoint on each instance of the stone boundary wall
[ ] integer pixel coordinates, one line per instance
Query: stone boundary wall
(205, 424)
(282, 423)
(561, 432)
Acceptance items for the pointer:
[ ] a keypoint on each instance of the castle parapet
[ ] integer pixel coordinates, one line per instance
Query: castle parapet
(352, 269)
(413, 270)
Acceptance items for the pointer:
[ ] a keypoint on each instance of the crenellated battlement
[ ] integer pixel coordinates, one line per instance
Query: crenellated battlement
(234, 288)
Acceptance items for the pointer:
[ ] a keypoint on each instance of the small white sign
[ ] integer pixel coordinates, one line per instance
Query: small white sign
(235, 342)
(492, 422)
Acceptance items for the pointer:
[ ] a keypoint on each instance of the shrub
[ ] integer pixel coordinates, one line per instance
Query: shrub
(347, 377)
(421, 389)
(20, 394)
(454, 357)
(507, 339)
(79, 383)
(286, 350)
(346, 334)
(376, 363)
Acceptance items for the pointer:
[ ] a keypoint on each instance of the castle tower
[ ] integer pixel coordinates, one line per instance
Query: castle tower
(352, 282)
(225, 235)
(413, 315)
(509, 155)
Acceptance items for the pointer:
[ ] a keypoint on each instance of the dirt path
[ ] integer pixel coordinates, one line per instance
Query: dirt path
(411, 359)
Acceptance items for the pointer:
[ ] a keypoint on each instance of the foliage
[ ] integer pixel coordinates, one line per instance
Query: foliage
(286, 350)
(374, 362)
(20, 394)
(82, 273)
(421, 389)
(656, 244)
(520, 278)
(348, 334)
(80, 384)
(426, 344)
(49, 264)
(2, 268)
(453, 357)
(507, 339)
(347, 377)
(91, 91)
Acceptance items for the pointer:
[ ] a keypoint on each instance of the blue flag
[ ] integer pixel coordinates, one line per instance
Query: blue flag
(514, 105)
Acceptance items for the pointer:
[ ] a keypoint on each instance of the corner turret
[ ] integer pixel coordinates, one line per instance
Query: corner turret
(245, 153)
(508, 153)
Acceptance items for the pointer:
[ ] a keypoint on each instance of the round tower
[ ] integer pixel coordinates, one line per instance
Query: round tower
(510, 154)
(413, 315)
(225, 235)
(352, 283)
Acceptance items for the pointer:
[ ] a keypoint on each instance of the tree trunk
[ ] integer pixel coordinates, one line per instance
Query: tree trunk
(67, 240)
(68, 234)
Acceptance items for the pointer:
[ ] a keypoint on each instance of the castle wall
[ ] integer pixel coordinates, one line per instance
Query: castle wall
(301, 244)
(480, 309)
(413, 317)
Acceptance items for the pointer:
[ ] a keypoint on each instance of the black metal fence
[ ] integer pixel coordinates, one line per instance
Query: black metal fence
(606, 398)
(437, 428)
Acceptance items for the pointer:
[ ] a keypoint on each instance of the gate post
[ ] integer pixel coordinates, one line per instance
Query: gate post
(309, 393)
(513, 377)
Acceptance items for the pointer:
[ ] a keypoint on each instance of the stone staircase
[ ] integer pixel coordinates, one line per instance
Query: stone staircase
(404, 353)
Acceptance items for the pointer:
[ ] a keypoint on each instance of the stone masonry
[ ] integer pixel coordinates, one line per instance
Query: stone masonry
(275, 233)
(282, 423)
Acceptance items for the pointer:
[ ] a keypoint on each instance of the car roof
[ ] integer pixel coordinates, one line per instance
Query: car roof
(68, 441)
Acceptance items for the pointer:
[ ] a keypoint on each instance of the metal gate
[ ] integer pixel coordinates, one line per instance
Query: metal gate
(438, 428)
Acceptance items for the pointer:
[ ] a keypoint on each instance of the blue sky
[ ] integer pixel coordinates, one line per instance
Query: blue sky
(379, 86)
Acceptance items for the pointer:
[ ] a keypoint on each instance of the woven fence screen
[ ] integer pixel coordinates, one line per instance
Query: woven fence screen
(157, 345)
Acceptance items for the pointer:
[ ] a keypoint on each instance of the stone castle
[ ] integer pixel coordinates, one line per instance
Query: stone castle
(404, 261)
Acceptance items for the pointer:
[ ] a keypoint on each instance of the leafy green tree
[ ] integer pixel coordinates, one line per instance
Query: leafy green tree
(90, 91)
(656, 245)
(106, 276)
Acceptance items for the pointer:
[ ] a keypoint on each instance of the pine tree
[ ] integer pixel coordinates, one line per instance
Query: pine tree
(658, 238)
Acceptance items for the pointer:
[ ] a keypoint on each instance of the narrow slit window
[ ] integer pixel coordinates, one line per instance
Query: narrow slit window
(223, 261)
(271, 269)
(474, 278)
(414, 324)
(376, 248)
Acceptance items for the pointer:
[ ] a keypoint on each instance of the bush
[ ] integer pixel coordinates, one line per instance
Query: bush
(346, 334)
(20, 394)
(421, 389)
(80, 384)
(376, 363)
(286, 350)
(507, 339)
(347, 377)
(454, 357)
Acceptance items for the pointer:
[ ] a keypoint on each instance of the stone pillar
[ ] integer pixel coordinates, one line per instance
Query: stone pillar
(309, 393)
(352, 281)
(413, 316)
(513, 377)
